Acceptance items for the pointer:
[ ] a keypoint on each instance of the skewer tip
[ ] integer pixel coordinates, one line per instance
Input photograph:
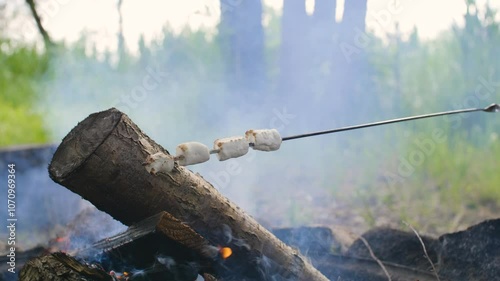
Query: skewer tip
(494, 107)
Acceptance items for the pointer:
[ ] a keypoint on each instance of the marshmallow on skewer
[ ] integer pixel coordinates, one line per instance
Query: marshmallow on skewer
(264, 140)
(190, 153)
(159, 163)
(232, 147)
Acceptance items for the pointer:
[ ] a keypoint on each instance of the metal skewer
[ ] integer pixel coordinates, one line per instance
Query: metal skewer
(491, 108)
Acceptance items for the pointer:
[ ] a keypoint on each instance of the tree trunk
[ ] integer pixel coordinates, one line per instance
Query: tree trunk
(350, 80)
(101, 160)
(120, 36)
(242, 39)
(354, 15)
(294, 55)
(325, 11)
(322, 38)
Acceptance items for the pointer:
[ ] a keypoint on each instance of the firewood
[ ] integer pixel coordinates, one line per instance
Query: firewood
(164, 224)
(175, 250)
(102, 159)
(60, 267)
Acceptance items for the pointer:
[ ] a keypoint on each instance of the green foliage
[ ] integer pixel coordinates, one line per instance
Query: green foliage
(19, 125)
(434, 76)
(457, 67)
(20, 70)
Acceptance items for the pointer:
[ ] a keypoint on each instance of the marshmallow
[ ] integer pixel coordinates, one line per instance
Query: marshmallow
(232, 147)
(159, 163)
(264, 140)
(190, 153)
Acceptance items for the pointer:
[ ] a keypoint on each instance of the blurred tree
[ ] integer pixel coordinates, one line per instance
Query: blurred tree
(21, 68)
(468, 43)
(351, 71)
(121, 38)
(241, 36)
(325, 11)
(323, 63)
(478, 45)
(294, 53)
(396, 40)
(38, 21)
(144, 52)
(321, 35)
(354, 16)
(3, 18)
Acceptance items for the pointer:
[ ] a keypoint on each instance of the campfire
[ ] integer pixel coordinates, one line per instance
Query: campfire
(181, 228)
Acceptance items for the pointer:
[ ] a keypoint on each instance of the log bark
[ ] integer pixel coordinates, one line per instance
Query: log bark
(101, 160)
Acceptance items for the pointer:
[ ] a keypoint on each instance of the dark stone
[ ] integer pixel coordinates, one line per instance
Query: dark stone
(472, 254)
(398, 247)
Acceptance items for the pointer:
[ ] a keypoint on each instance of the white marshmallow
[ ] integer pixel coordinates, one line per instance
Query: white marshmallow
(190, 153)
(232, 147)
(159, 163)
(264, 140)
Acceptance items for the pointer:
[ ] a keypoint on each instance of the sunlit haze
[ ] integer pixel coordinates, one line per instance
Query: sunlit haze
(99, 19)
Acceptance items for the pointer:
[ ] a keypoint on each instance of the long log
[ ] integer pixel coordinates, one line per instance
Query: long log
(101, 160)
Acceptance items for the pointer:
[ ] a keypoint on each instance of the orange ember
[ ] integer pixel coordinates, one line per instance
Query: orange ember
(62, 239)
(225, 252)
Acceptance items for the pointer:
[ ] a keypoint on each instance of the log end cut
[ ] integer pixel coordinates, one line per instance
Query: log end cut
(82, 141)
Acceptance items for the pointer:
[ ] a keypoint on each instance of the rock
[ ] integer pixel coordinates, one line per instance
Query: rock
(472, 254)
(398, 247)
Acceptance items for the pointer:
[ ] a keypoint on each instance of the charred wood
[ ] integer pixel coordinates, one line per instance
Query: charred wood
(159, 247)
(21, 258)
(60, 267)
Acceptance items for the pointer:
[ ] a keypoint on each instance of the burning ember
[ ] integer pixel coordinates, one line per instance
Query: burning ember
(225, 252)
(119, 276)
(60, 243)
